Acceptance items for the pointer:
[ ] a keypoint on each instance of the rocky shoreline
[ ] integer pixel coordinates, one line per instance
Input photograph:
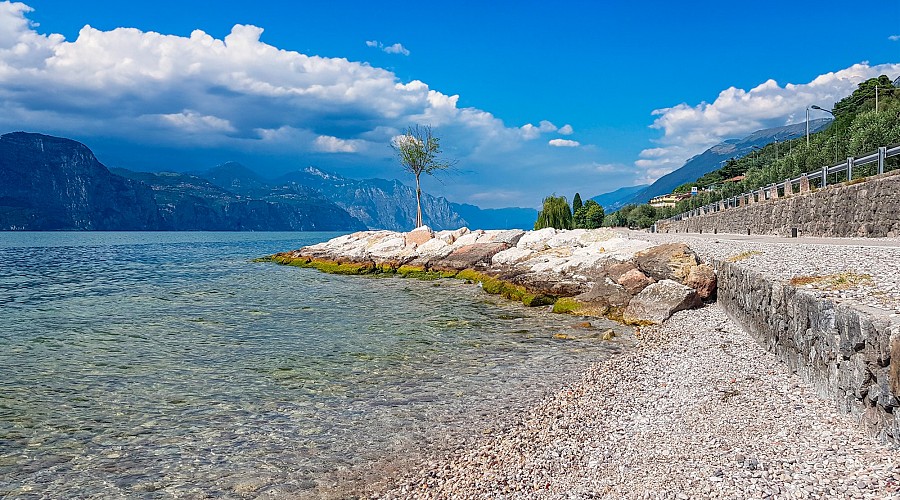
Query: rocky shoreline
(698, 409)
(584, 272)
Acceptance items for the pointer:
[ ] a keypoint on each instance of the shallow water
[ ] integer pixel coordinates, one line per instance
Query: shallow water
(170, 364)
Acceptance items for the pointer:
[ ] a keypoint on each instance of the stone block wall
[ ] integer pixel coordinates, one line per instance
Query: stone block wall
(852, 355)
(870, 208)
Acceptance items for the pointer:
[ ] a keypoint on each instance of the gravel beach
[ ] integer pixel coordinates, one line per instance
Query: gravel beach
(696, 410)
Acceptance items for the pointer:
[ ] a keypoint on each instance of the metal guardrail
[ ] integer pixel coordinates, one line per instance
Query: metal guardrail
(787, 186)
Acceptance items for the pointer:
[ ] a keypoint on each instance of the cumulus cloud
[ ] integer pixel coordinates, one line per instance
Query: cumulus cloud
(689, 130)
(193, 122)
(396, 48)
(195, 97)
(329, 144)
(894, 38)
(564, 143)
(566, 129)
(530, 131)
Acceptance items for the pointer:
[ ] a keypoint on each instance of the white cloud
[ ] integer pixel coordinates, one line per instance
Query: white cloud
(498, 195)
(396, 48)
(329, 144)
(145, 93)
(193, 122)
(564, 143)
(608, 167)
(530, 131)
(566, 130)
(894, 38)
(689, 130)
(546, 126)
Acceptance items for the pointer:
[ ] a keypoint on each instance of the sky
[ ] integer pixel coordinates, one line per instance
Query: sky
(528, 98)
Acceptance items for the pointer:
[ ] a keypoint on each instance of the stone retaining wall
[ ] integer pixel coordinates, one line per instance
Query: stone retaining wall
(869, 208)
(845, 351)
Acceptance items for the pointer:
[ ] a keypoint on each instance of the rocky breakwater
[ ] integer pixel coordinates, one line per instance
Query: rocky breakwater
(583, 272)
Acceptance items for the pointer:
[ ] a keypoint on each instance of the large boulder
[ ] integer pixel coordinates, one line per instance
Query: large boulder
(671, 261)
(419, 235)
(511, 256)
(616, 269)
(510, 236)
(659, 301)
(606, 292)
(536, 240)
(634, 281)
(469, 238)
(703, 279)
(569, 239)
(451, 236)
(470, 256)
(387, 247)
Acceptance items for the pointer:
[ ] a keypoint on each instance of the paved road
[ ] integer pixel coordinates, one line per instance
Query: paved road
(872, 262)
(807, 240)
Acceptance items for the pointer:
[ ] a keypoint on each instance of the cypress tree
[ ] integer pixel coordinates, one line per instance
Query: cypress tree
(576, 203)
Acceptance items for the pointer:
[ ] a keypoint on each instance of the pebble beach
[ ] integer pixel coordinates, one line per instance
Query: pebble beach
(696, 410)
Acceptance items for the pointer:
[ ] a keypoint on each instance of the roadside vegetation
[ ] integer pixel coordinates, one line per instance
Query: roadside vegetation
(858, 129)
(557, 213)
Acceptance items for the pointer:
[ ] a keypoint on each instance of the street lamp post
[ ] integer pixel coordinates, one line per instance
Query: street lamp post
(813, 106)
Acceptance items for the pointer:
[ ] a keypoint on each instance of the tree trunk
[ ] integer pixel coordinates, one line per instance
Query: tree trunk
(418, 203)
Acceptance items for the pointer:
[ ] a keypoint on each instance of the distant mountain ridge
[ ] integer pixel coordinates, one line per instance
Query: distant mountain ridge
(497, 218)
(615, 199)
(710, 160)
(378, 203)
(52, 183)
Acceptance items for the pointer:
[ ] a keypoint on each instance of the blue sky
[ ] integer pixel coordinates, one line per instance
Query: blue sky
(642, 86)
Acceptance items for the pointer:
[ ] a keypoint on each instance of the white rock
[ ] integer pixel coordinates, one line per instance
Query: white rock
(435, 247)
(511, 256)
(536, 240)
(388, 247)
(566, 239)
(470, 238)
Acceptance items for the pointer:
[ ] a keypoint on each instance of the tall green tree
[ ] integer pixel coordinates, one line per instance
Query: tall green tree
(594, 214)
(588, 216)
(419, 153)
(576, 203)
(555, 213)
(865, 93)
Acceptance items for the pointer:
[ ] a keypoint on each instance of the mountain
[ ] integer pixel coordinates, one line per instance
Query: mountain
(710, 159)
(236, 178)
(52, 183)
(378, 203)
(614, 199)
(190, 203)
(496, 218)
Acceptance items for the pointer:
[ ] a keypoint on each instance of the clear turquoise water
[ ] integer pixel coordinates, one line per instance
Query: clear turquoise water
(170, 365)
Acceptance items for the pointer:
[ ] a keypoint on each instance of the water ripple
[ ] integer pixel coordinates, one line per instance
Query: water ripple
(169, 364)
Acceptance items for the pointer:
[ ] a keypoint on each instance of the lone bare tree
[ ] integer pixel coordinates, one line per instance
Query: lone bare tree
(419, 152)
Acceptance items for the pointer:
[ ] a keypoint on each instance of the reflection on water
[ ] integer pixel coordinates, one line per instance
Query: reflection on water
(169, 364)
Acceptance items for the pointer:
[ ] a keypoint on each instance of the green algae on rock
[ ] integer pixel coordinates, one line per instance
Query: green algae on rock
(579, 272)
